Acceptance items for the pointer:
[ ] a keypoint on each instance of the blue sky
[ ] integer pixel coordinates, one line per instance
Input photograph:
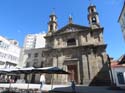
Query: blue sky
(21, 17)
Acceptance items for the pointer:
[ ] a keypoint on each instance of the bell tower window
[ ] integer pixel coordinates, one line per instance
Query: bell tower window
(92, 10)
(93, 17)
(93, 20)
(51, 27)
(71, 42)
(51, 18)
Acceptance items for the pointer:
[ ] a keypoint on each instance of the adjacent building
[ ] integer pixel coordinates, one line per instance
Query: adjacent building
(118, 71)
(34, 41)
(34, 58)
(9, 53)
(77, 49)
(121, 20)
(31, 54)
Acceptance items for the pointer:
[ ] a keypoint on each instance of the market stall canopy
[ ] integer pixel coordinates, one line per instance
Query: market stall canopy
(8, 70)
(28, 70)
(50, 70)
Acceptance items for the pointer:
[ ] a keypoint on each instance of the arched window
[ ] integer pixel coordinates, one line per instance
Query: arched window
(71, 42)
(93, 19)
(51, 27)
(120, 77)
(92, 10)
(51, 18)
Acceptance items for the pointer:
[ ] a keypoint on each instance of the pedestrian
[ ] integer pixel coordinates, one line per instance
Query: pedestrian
(73, 86)
(42, 81)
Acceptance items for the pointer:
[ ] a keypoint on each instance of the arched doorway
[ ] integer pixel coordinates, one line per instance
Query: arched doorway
(73, 73)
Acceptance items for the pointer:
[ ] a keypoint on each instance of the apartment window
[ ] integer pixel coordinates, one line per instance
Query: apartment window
(120, 77)
(42, 55)
(71, 42)
(36, 55)
(29, 55)
(42, 64)
(35, 63)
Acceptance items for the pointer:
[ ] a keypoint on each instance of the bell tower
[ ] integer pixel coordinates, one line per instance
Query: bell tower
(93, 17)
(52, 24)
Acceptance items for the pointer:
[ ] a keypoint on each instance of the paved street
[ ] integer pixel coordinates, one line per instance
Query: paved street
(63, 88)
(85, 89)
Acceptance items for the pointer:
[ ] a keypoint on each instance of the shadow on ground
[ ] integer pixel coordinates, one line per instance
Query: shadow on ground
(85, 89)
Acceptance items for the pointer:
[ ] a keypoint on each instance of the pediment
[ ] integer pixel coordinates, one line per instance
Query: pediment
(71, 28)
(121, 60)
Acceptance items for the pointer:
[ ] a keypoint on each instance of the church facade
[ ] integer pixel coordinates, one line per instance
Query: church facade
(79, 50)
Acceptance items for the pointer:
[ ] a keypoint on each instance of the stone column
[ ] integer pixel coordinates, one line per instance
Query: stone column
(95, 65)
(65, 77)
(85, 67)
(55, 76)
(60, 59)
(101, 38)
(91, 64)
(99, 62)
(78, 72)
(54, 61)
(90, 68)
(55, 43)
(82, 40)
(89, 38)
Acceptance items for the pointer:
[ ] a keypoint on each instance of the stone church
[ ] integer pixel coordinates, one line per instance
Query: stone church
(77, 49)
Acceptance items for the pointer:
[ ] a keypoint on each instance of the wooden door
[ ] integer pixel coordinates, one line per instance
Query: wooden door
(73, 70)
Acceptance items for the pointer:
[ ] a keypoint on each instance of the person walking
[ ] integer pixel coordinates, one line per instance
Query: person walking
(73, 86)
(42, 81)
